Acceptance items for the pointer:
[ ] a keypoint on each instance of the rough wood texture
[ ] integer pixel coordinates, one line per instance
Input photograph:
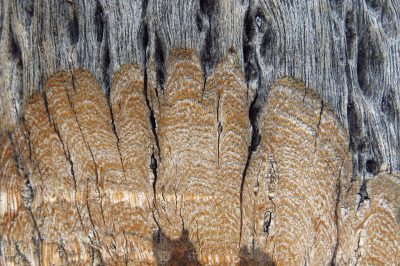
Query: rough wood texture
(203, 131)
(167, 175)
(292, 188)
(78, 147)
(347, 50)
(369, 230)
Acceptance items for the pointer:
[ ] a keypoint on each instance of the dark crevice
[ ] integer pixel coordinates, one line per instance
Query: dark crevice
(260, 20)
(106, 62)
(321, 111)
(180, 215)
(159, 58)
(152, 117)
(209, 54)
(143, 41)
(99, 21)
(249, 57)
(253, 115)
(73, 24)
(219, 128)
(144, 7)
(363, 193)
(103, 39)
(207, 7)
(46, 106)
(373, 161)
(372, 166)
(143, 35)
(267, 221)
(318, 126)
(357, 142)
(351, 34)
(153, 167)
(71, 166)
(15, 49)
(114, 129)
(153, 124)
(27, 194)
(337, 211)
(199, 22)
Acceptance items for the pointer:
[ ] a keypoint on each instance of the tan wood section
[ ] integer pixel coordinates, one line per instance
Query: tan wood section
(168, 175)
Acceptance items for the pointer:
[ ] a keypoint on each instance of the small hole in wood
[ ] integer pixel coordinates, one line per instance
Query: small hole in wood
(372, 166)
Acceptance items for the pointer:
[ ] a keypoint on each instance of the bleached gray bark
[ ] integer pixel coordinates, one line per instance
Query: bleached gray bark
(348, 51)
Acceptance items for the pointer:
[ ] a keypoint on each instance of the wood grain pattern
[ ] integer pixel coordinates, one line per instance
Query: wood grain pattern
(370, 229)
(136, 144)
(347, 50)
(294, 178)
(55, 195)
(21, 236)
(16, 228)
(171, 175)
(204, 134)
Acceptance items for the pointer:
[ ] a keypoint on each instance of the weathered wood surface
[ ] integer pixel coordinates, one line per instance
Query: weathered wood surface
(347, 51)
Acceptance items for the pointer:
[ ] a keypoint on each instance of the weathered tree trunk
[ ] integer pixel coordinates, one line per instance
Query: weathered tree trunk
(242, 67)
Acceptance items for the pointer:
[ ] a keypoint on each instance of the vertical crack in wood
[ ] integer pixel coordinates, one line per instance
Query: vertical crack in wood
(337, 214)
(73, 85)
(253, 114)
(27, 194)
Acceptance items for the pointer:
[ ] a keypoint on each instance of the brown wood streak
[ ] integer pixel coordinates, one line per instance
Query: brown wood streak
(55, 191)
(201, 167)
(96, 198)
(294, 177)
(134, 205)
(16, 228)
